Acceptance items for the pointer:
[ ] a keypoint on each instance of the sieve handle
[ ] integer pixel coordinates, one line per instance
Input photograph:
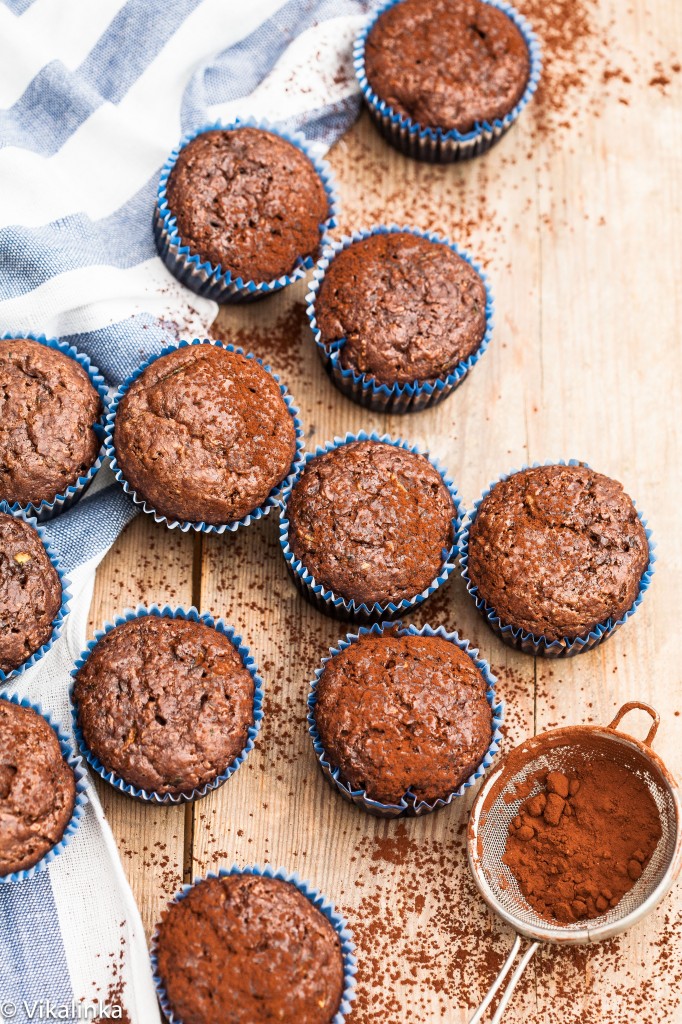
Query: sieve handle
(630, 706)
(511, 985)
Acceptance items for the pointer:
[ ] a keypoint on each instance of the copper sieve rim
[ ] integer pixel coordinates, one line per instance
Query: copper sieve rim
(528, 750)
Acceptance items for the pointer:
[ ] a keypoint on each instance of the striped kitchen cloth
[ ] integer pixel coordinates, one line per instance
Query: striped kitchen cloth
(94, 94)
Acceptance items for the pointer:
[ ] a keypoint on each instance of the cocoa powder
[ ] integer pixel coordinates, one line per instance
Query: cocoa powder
(580, 844)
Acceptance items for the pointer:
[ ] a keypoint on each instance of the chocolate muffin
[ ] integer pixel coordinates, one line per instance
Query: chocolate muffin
(166, 704)
(30, 592)
(555, 550)
(204, 434)
(37, 788)
(371, 522)
(248, 201)
(250, 950)
(409, 309)
(399, 714)
(48, 411)
(448, 64)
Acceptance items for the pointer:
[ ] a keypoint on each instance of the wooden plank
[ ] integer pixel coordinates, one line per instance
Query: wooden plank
(611, 373)
(146, 565)
(579, 229)
(404, 885)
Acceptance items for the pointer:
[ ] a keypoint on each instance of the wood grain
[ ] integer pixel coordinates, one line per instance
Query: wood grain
(582, 245)
(143, 567)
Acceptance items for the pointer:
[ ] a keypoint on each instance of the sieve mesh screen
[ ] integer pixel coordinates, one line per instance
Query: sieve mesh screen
(502, 805)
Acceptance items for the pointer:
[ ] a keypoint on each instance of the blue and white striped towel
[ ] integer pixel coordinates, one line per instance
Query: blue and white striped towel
(93, 96)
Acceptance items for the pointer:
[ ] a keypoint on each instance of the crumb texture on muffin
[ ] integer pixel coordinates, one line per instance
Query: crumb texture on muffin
(48, 411)
(409, 309)
(248, 201)
(371, 521)
(30, 592)
(403, 713)
(204, 434)
(555, 550)
(250, 950)
(37, 788)
(447, 64)
(165, 703)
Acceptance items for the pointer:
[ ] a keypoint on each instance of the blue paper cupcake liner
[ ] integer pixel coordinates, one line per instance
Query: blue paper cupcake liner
(433, 144)
(192, 615)
(364, 388)
(319, 901)
(202, 276)
(76, 765)
(409, 805)
(58, 622)
(326, 600)
(45, 510)
(272, 499)
(518, 638)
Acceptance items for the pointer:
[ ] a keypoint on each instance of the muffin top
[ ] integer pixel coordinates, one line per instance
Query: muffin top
(266, 954)
(204, 434)
(30, 592)
(249, 201)
(556, 550)
(409, 309)
(48, 409)
(37, 788)
(398, 713)
(447, 64)
(165, 703)
(371, 521)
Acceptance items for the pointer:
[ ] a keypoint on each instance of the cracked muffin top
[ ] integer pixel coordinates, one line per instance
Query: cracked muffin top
(37, 788)
(403, 713)
(30, 592)
(371, 521)
(204, 434)
(408, 308)
(48, 412)
(555, 550)
(447, 64)
(249, 201)
(164, 703)
(266, 954)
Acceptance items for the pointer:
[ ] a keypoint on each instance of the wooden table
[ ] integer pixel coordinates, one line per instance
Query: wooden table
(580, 234)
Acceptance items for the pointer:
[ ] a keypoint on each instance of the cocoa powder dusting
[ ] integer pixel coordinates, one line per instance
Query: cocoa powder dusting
(279, 341)
(579, 845)
(425, 939)
(427, 946)
(570, 36)
(111, 1000)
(586, 63)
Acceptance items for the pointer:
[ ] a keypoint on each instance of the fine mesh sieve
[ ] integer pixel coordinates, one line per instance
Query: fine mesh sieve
(498, 803)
